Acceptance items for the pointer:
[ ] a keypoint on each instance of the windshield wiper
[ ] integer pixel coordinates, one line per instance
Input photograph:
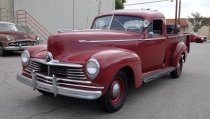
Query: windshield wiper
(104, 26)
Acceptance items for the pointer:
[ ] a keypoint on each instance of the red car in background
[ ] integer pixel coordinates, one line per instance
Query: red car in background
(195, 37)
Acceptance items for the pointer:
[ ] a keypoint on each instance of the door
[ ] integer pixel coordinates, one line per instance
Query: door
(154, 47)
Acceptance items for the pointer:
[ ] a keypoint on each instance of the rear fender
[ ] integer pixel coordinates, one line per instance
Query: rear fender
(180, 49)
(111, 61)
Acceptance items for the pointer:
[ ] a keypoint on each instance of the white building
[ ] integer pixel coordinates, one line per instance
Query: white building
(58, 14)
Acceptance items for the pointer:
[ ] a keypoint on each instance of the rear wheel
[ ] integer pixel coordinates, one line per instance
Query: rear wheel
(2, 51)
(44, 92)
(198, 41)
(177, 72)
(116, 94)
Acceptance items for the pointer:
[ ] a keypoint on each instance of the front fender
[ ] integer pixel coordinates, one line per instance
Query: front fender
(111, 61)
(4, 41)
(180, 48)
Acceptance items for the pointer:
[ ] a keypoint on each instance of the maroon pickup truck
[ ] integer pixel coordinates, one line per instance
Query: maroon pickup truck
(121, 47)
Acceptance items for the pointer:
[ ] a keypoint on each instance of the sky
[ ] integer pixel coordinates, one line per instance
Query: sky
(168, 7)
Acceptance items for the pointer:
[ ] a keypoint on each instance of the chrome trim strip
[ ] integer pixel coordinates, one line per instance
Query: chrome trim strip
(77, 93)
(155, 38)
(103, 41)
(82, 86)
(64, 64)
(26, 73)
(11, 48)
(62, 79)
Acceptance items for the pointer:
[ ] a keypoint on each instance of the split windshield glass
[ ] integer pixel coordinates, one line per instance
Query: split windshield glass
(129, 23)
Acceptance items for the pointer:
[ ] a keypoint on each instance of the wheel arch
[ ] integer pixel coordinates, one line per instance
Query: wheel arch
(113, 61)
(180, 51)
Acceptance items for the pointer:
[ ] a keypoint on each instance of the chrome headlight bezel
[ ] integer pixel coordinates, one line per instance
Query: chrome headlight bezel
(92, 68)
(9, 38)
(37, 38)
(25, 57)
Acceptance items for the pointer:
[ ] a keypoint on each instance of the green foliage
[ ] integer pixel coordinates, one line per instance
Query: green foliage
(119, 4)
(198, 21)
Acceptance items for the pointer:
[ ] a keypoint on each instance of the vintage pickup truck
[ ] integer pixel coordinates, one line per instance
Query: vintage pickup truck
(122, 46)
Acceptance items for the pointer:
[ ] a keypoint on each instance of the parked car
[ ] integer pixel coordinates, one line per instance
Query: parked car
(12, 39)
(122, 46)
(195, 37)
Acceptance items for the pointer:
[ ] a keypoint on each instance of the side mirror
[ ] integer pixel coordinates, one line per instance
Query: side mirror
(145, 23)
(151, 34)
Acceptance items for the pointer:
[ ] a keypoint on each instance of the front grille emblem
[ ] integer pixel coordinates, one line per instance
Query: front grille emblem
(49, 57)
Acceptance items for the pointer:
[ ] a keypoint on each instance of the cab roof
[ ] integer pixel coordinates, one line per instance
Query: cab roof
(145, 14)
(3, 22)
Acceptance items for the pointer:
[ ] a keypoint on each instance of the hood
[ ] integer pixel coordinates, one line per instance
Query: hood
(17, 35)
(72, 46)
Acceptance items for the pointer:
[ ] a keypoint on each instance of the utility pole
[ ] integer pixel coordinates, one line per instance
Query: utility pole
(179, 11)
(175, 27)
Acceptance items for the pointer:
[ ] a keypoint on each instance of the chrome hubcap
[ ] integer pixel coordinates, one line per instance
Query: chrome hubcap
(116, 90)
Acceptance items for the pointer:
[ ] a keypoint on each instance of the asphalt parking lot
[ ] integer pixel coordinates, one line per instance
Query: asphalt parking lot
(185, 98)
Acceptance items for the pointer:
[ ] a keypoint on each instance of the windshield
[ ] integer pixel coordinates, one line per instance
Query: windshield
(8, 27)
(129, 23)
(195, 34)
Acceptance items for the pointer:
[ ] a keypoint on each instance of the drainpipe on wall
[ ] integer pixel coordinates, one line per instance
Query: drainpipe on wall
(209, 31)
(99, 7)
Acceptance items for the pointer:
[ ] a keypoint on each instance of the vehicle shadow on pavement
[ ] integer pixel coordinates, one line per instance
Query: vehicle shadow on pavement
(13, 54)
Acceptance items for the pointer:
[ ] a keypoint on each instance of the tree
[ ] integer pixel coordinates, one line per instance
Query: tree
(119, 4)
(198, 21)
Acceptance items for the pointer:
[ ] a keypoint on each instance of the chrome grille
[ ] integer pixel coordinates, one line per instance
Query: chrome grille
(58, 70)
(71, 73)
(37, 67)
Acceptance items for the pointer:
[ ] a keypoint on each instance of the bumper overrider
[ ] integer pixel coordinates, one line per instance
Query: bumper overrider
(68, 86)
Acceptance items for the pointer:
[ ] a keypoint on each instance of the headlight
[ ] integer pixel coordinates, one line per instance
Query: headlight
(202, 38)
(38, 38)
(92, 68)
(25, 56)
(9, 38)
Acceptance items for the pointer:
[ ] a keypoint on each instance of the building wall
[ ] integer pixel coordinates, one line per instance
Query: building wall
(205, 31)
(64, 14)
(9, 5)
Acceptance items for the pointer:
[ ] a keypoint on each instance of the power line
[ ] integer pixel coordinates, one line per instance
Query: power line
(187, 8)
(147, 2)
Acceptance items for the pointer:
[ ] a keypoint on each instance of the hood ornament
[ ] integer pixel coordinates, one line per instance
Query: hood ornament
(49, 57)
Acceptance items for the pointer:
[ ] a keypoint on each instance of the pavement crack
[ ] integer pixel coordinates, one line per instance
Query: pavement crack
(46, 112)
(5, 80)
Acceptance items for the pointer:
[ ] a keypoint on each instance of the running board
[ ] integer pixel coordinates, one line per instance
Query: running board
(157, 74)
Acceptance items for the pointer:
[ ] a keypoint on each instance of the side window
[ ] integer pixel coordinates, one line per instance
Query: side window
(156, 27)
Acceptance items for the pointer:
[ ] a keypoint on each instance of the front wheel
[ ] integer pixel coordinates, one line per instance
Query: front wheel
(2, 51)
(199, 41)
(116, 94)
(177, 72)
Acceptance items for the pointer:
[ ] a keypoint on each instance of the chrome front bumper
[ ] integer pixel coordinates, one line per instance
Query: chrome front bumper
(56, 89)
(13, 48)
